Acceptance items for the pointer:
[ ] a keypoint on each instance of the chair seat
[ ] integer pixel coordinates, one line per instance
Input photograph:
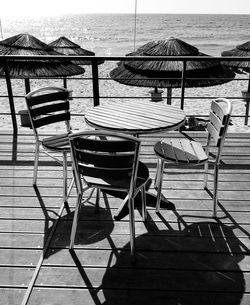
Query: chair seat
(181, 151)
(107, 182)
(58, 142)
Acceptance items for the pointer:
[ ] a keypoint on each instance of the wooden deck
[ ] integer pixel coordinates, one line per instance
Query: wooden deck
(184, 256)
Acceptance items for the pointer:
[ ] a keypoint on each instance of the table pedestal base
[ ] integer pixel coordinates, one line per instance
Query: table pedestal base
(123, 210)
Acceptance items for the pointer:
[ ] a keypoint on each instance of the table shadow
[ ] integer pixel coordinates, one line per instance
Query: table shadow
(199, 265)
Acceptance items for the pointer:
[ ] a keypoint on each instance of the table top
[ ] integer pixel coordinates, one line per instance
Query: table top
(135, 117)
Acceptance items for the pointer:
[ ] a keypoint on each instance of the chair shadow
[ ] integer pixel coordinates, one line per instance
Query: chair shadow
(48, 220)
(84, 276)
(190, 267)
(57, 229)
(93, 226)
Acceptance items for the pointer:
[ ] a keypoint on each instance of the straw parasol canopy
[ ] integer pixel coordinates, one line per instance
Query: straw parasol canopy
(242, 50)
(167, 74)
(26, 44)
(67, 47)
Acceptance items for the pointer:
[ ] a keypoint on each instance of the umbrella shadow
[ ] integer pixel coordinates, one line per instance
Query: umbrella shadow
(189, 266)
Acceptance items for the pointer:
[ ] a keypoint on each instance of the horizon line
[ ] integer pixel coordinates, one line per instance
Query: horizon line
(117, 13)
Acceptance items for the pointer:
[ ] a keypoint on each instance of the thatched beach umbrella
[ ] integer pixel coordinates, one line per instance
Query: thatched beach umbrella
(67, 47)
(167, 74)
(242, 50)
(26, 44)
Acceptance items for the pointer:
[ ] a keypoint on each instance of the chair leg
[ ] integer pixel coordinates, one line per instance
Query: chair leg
(156, 175)
(65, 177)
(75, 221)
(132, 228)
(37, 149)
(144, 203)
(97, 201)
(215, 199)
(70, 187)
(205, 175)
(159, 184)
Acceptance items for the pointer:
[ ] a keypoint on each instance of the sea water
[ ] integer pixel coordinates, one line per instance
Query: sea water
(119, 34)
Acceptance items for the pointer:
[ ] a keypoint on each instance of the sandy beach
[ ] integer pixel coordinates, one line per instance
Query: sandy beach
(82, 89)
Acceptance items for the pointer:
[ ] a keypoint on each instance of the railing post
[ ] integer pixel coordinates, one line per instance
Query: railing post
(11, 99)
(27, 85)
(95, 81)
(65, 82)
(183, 83)
(246, 98)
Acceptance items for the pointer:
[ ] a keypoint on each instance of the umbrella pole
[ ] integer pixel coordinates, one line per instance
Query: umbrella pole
(65, 82)
(95, 83)
(182, 84)
(247, 101)
(11, 99)
(169, 95)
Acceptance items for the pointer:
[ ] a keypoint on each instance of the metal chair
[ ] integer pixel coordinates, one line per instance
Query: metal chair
(183, 151)
(46, 106)
(109, 161)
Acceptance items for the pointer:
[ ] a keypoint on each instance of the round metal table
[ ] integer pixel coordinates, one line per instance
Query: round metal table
(135, 117)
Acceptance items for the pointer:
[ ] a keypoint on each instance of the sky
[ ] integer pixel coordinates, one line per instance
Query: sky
(33, 8)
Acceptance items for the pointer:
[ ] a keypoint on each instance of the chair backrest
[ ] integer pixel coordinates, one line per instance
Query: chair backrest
(219, 118)
(102, 157)
(48, 105)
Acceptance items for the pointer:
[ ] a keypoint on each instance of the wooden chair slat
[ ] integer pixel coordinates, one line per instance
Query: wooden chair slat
(57, 141)
(214, 133)
(55, 107)
(105, 160)
(177, 148)
(165, 150)
(105, 173)
(44, 98)
(220, 110)
(104, 146)
(199, 151)
(50, 119)
(188, 151)
(181, 150)
(216, 122)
